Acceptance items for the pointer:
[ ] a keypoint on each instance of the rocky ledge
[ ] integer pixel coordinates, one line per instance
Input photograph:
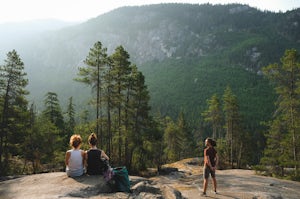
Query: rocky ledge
(185, 181)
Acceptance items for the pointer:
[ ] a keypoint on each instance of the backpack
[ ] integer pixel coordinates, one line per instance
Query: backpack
(121, 179)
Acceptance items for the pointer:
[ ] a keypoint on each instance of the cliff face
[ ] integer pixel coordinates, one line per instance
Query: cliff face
(184, 183)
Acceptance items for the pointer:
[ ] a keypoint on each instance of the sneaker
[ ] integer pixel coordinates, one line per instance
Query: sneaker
(203, 194)
(215, 192)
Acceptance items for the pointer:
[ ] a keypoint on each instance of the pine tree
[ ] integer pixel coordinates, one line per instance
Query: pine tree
(189, 143)
(214, 115)
(53, 110)
(286, 77)
(108, 97)
(70, 123)
(32, 142)
(120, 72)
(14, 113)
(53, 113)
(273, 154)
(232, 123)
(92, 75)
(173, 141)
(137, 117)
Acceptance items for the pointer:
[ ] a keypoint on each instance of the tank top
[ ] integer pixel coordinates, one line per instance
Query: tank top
(75, 166)
(94, 162)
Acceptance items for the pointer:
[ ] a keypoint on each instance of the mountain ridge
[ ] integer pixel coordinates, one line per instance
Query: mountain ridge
(206, 40)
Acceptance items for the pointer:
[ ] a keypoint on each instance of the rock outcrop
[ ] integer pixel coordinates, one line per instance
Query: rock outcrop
(183, 182)
(59, 185)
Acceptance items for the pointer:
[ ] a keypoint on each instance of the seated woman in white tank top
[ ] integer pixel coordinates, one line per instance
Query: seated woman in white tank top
(75, 157)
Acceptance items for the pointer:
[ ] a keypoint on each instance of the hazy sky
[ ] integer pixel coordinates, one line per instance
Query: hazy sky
(81, 10)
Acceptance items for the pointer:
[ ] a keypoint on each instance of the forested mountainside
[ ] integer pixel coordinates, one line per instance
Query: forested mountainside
(187, 53)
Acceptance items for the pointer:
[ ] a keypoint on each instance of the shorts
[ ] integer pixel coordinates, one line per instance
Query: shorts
(207, 170)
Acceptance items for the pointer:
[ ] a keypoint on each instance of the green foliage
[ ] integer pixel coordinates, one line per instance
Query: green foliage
(14, 113)
(122, 98)
(223, 153)
(189, 82)
(180, 90)
(233, 140)
(70, 120)
(92, 75)
(53, 113)
(173, 141)
(188, 141)
(283, 133)
(214, 116)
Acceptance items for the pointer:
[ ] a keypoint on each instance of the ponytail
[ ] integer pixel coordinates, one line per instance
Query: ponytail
(93, 139)
(213, 143)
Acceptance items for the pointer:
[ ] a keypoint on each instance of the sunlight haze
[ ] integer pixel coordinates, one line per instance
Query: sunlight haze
(81, 10)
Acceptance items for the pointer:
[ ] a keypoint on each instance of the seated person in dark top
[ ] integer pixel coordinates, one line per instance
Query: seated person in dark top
(95, 158)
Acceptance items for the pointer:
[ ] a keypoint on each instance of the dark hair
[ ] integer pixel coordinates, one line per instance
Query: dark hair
(93, 139)
(211, 141)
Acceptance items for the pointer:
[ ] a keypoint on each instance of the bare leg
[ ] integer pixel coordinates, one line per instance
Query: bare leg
(215, 184)
(205, 182)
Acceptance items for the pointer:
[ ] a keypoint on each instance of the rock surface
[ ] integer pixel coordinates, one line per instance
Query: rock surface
(184, 183)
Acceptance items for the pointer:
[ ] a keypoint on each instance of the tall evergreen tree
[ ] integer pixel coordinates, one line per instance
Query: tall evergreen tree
(286, 77)
(232, 122)
(31, 142)
(70, 123)
(189, 143)
(42, 143)
(14, 113)
(92, 74)
(108, 97)
(53, 110)
(120, 71)
(173, 141)
(137, 118)
(53, 113)
(273, 154)
(214, 115)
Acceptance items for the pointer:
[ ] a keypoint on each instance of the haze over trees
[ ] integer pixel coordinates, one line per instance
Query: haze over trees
(154, 94)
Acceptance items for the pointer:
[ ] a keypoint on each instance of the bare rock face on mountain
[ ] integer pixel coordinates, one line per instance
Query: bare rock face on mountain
(183, 181)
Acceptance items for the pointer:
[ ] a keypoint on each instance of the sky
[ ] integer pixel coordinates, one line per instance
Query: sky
(82, 10)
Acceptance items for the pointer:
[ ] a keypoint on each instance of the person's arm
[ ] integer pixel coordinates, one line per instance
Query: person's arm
(216, 161)
(68, 155)
(84, 158)
(103, 155)
(208, 162)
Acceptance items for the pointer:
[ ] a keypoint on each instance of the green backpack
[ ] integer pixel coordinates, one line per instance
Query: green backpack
(120, 176)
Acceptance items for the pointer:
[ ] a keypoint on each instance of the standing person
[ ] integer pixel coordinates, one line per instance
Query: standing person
(75, 157)
(210, 164)
(95, 158)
